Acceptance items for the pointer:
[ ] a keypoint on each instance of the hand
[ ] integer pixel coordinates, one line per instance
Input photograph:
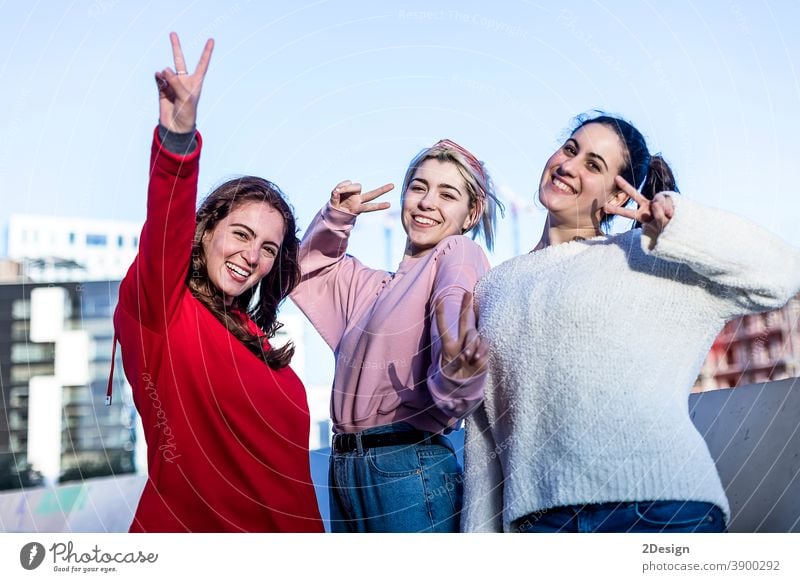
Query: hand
(654, 215)
(178, 91)
(347, 196)
(465, 355)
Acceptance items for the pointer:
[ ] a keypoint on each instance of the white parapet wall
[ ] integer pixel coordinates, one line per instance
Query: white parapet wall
(753, 433)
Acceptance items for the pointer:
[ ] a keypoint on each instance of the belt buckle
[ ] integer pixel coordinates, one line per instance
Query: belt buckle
(344, 442)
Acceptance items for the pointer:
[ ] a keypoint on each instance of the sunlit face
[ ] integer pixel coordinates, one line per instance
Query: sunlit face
(578, 179)
(241, 248)
(436, 205)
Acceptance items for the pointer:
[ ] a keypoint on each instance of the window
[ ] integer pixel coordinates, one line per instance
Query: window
(21, 309)
(72, 238)
(120, 241)
(96, 240)
(30, 352)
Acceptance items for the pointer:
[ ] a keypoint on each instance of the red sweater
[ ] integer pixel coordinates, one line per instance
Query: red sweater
(227, 437)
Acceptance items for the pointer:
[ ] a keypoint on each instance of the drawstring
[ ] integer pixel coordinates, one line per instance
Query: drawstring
(111, 373)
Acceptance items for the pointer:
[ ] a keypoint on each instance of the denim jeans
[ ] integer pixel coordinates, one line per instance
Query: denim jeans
(404, 488)
(636, 517)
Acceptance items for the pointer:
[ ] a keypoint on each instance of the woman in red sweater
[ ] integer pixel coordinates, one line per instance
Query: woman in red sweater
(225, 417)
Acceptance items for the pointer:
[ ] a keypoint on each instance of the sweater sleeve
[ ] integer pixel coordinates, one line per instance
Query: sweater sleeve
(460, 263)
(483, 477)
(330, 280)
(750, 268)
(152, 287)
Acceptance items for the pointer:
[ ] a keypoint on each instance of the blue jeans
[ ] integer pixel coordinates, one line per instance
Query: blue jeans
(403, 488)
(636, 517)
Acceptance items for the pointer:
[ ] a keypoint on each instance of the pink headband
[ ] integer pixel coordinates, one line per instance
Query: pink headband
(474, 163)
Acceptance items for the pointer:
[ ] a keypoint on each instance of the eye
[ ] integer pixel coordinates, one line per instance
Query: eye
(417, 188)
(448, 195)
(593, 166)
(270, 251)
(240, 234)
(569, 149)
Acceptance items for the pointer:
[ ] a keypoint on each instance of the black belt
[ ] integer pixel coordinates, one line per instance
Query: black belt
(348, 442)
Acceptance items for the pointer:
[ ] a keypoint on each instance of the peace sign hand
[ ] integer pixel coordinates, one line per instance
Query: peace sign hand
(347, 196)
(465, 355)
(178, 91)
(654, 215)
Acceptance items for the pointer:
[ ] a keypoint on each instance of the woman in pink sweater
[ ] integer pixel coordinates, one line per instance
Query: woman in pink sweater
(407, 369)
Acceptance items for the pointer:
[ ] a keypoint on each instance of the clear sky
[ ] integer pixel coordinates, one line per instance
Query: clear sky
(311, 93)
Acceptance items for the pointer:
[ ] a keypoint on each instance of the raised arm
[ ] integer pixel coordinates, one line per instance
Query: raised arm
(458, 355)
(155, 280)
(331, 281)
(749, 268)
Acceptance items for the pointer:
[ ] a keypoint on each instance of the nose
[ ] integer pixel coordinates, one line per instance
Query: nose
(251, 253)
(427, 202)
(567, 167)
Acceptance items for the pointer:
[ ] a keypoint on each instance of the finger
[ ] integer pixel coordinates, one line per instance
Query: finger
(657, 208)
(463, 316)
(373, 194)
(177, 53)
(161, 82)
(471, 345)
(174, 86)
(666, 203)
(626, 187)
(341, 185)
(480, 353)
(349, 189)
(444, 336)
(620, 211)
(205, 58)
(374, 207)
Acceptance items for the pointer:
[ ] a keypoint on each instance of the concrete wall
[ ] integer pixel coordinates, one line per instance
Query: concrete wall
(753, 433)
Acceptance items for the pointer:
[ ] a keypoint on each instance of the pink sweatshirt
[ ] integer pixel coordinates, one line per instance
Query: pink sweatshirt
(382, 327)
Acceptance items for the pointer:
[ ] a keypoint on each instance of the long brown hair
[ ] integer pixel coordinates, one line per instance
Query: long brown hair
(271, 290)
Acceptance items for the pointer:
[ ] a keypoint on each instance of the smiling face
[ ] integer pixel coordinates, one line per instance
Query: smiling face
(241, 249)
(578, 179)
(436, 204)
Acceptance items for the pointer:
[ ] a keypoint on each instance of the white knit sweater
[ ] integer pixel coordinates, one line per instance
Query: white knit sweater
(595, 346)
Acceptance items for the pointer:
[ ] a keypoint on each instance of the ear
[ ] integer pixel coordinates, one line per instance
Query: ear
(473, 216)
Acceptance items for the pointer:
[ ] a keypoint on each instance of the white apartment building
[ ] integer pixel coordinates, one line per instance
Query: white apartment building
(72, 249)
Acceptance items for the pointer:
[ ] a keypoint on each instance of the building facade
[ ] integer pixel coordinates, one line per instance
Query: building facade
(55, 356)
(754, 349)
(72, 249)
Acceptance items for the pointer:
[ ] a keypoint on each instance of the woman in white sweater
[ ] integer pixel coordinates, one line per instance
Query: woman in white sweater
(596, 341)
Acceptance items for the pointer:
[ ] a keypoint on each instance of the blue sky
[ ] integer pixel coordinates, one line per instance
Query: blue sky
(311, 93)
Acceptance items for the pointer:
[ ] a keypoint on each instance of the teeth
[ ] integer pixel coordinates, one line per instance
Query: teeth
(423, 220)
(237, 270)
(562, 186)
